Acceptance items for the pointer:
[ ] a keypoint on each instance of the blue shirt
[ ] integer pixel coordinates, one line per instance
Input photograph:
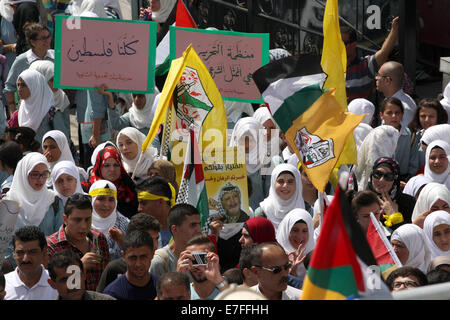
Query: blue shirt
(195, 296)
(122, 289)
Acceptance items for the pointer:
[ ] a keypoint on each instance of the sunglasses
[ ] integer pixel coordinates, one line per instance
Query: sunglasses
(277, 269)
(387, 176)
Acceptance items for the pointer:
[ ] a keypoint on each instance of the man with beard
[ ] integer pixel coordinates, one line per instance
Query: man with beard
(137, 283)
(29, 280)
(230, 204)
(207, 279)
(271, 266)
(68, 277)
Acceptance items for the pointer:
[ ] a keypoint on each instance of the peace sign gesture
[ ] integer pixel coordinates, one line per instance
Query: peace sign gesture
(296, 258)
(388, 205)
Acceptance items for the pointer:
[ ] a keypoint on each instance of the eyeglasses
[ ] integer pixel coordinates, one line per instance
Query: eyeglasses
(80, 196)
(37, 175)
(406, 284)
(277, 269)
(387, 176)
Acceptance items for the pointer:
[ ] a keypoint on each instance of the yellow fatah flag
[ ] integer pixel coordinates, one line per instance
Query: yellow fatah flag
(334, 64)
(198, 102)
(318, 137)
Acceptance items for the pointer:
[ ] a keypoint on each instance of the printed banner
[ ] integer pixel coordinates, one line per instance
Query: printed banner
(230, 57)
(92, 51)
(226, 185)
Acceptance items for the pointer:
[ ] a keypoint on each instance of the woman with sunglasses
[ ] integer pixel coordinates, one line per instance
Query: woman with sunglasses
(384, 180)
(296, 235)
(105, 216)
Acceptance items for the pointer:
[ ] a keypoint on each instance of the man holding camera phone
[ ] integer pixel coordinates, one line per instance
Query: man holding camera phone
(202, 263)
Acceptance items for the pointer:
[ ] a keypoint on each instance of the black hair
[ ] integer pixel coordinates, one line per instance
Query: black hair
(172, 279)
(352, 36)
(438, 276)
(432, 103)
(363, 199)
(63, 259)
(30, 233)
(201, 239)
(245, 257)
(234, 275)
(136, 239)
(77, 201)
(143, 222)
(156, 185)
(392, 100)
(2, 281)
(10, 154)
(177, 214)
(23, 136)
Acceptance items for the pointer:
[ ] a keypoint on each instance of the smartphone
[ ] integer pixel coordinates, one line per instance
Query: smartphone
(199, 259)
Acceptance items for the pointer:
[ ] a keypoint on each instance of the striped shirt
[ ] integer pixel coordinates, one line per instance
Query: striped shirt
(360, 77)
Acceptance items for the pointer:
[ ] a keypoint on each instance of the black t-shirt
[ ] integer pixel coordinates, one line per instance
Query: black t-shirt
(122, 289)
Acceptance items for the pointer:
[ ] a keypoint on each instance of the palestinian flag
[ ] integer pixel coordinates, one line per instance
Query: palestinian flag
(382, 250)
(340, 260)
(183, 19)
(314, 123)
(192, 189)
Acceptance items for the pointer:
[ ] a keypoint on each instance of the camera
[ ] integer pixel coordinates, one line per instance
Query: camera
(199, 259)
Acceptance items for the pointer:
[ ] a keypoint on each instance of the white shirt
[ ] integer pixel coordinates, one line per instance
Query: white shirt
(17, 290)
(408, 104)
(290, 293)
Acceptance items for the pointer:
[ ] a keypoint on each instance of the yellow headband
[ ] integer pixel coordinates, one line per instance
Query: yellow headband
(103, 192)
(144, 195)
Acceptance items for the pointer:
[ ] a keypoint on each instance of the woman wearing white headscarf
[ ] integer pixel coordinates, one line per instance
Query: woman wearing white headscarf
(362, 106)
(436, 132)
(165, 8)
(36, 201)
(96, 7)
(437, 162)
(246, 133)
(36, 102)
(294, 230)
(61, 119)
(437, 229)
(445, 102)
(66, 180)
(130, 140)
(410, 245)
(414, 185)
(272, 142)
(434, 196)
(105, 216)
(380, 142)
(139, 116)
(274, 207)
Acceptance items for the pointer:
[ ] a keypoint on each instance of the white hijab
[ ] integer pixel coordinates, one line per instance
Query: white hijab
(164, 11)
(34, 204)
(66, 167)
(63, 145)
(284, 229)
(412, 236)
(414, 184)
(445, 102)
(434, 219)
(103, 224)
(362, 106)
(276, 208)
(234, 110)
(248, 126)
(431, 193)
(93, 6)
(149, 156)
(47, 69)
(143, 118)
(441, 177)
(6, 11)
(380, 142)
(436, 132)
(36, 106)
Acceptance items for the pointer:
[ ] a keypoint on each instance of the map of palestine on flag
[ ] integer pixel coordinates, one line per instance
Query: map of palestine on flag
(314, 123)
(192, 189)
(339, 264)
